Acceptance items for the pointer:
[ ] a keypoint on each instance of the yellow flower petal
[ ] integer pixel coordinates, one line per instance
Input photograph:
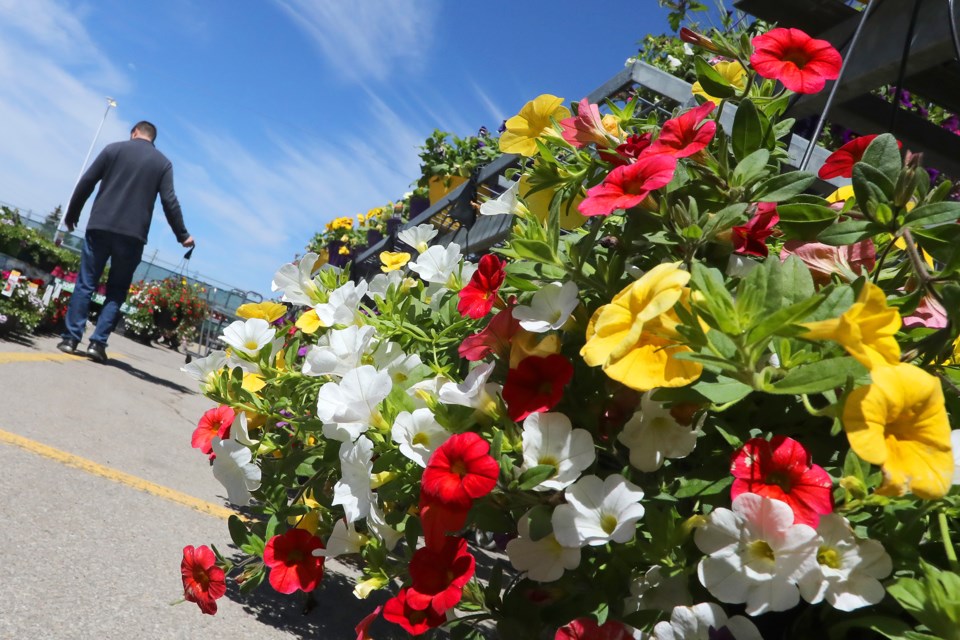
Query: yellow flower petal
(309, 322)
(733, 72)
(526, 343)
(900, 421)
(393, 260)
(269, 311)
(533, 121)
(539, 205)
(252, 382)
(840, 195)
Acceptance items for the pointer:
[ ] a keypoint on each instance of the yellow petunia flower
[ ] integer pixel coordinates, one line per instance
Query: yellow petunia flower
(533, 121)
(525, 343)
(269, 311)
(309, 521)
(841, 195)
(393, 260)
(733, 72)
(634, 339)
(344, 250)
(309, 321)
(252, 382)
(866, 330)
(538, 204)
(899, 421)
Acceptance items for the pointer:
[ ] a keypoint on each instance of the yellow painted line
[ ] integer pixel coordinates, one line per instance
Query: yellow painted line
(96, 469)
(7, 357)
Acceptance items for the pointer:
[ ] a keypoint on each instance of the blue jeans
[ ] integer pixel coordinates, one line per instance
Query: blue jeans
(124, 253)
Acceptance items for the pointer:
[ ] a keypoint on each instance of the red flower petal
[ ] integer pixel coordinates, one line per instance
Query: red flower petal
(291, 561)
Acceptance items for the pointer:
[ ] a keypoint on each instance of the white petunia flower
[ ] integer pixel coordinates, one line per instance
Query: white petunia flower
(550, 307)
(654, 590)
(418, 237)
(205, 370)
(352, 490)
(381, 283)
(548, 438)
(673, 63)
(418, 435)
(955, 444)
(343, 304)
(505, 204)
(740, 266)
(438, 263)
(240, 431)
(652, 435)
(543, 560)
(343, 540)
(702, 622)
(848, 571)
(338, 352)
(297, 283)
(598, 511)
(249, 336)
(379, 527)
(389, 357)
(474, 392)
(234, 468)
(348, 407)
(756, 554)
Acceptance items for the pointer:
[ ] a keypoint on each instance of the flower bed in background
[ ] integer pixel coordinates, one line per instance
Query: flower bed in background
(169, 309)
(688, 398)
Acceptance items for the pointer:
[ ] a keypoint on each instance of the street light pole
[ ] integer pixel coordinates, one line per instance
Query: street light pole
(110, 104)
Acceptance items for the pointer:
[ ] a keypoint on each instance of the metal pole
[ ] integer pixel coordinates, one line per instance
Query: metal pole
(836, 83)
(63, 212)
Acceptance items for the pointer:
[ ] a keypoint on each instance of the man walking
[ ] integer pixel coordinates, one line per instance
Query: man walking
(131, 175)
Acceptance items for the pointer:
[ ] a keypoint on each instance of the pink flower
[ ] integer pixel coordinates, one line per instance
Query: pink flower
(750, 239)
(586, 127)
(803, 64)
(627, 152)
(687, 134)
(627, 186)
(849, 262)
(494, 338)
(929, 313)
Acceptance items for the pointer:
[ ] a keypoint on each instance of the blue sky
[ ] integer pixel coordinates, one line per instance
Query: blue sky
(280, 115)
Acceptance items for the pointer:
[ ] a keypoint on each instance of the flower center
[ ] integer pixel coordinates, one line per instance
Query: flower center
(250, 344)
(548, 459)
(201, 578)
(780, 479)
(608, 523)
(798, 57)
(294, 556)
(760, 550)
(829, 557)
(459, 468)
(421, 438)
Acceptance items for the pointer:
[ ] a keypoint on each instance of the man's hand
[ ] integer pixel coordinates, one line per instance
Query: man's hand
(188, 242)
(70, 226)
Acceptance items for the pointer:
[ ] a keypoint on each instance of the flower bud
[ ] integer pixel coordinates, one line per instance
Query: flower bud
(854, 486)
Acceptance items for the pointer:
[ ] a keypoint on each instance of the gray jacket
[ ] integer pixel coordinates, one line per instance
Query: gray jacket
(131, 175)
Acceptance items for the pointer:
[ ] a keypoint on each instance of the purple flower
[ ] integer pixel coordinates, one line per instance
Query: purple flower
(934, 174)
(502, 127)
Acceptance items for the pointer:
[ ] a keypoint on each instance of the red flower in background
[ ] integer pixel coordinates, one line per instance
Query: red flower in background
(750, 239)
(803, 64)
(215, 422)
(840, 163)
(536, 385)
(460, 471)
(292, 563)
(203, 580)
(494, 338)
(588, 629)
(686, 134)
(480, 294)
(627, 186)
(416, 621)
(627, 152)
(439, 575)
(782, 469)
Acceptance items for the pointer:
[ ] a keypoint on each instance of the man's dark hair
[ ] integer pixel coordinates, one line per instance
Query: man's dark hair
(146, 128)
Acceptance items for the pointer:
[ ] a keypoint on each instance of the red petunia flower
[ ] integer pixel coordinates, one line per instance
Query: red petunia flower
(494, 338)
(536, 384)
(203, 580)
(686, 134)
(439, 575)
(627, 152)
(588, 629)
(438, 519)
(750, 239)
(480, 294)
(803, 64)
(364, 625)
(840, 163)
(627, 186)
(415, 621)
(460, 471)
(782, 469)
(214, 423)
(292, 563)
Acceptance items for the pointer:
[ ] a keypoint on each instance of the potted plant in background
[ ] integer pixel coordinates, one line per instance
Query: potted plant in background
(445, 165)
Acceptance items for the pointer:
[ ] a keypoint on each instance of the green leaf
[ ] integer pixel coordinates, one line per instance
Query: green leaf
(870, 187)
(718, 300)
(748, 130)
(535, 250)
(700, 488)
(535, 475)
(750, 168)
(723, 220)
(818, 377)
(849, 232)
(803, 221)
(883, 154)
(932, 214)
(783, 186)
(782, 319)
(711, 80)
(238, 531)
(852, 466)
(723, 391)
(910, 594)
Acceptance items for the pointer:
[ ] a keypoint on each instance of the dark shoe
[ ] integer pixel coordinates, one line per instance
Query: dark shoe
(97, 352)
(69, 345)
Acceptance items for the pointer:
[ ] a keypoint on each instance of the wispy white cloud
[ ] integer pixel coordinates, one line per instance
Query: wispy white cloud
(367, 39)
(497, 114)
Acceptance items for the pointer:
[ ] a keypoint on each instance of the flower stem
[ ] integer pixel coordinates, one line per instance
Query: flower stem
(947, 542)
